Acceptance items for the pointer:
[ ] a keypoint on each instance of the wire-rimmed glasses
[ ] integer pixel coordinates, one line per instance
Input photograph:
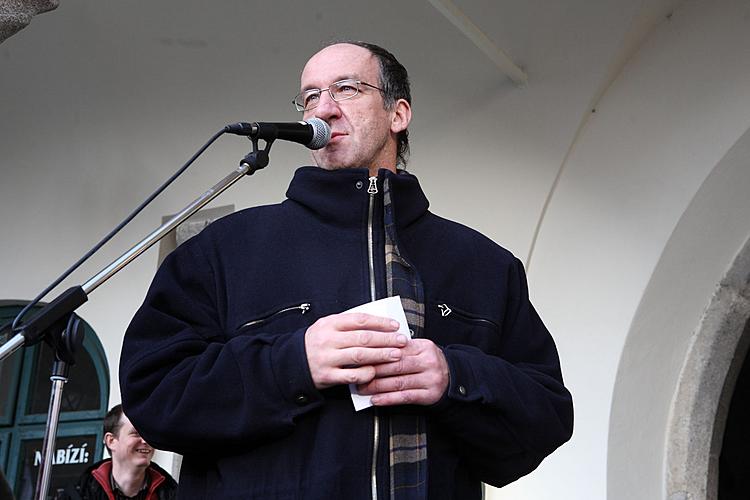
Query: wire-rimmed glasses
(339, 91)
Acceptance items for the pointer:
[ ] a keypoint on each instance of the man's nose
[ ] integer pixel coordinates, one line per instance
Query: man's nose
(327, 108)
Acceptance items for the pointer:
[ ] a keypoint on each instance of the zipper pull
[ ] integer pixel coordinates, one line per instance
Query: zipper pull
(373, 187)
(444, 310)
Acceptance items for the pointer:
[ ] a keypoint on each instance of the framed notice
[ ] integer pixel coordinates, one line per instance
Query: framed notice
(78, 446)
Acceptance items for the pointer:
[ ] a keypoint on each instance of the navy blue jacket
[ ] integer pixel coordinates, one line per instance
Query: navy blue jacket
(213, 364)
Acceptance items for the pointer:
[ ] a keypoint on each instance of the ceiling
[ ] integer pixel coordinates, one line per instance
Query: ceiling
(187, 67)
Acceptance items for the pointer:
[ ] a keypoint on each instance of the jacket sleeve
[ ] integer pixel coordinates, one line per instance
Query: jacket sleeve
(189, 387)
(507, 411)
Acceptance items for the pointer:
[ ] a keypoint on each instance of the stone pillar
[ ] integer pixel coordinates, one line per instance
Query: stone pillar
(16, 14)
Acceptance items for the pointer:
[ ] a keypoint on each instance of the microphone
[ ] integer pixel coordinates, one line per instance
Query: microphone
(313, 133)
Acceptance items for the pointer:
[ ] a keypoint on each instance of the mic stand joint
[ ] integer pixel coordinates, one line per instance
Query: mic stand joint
(257, 158)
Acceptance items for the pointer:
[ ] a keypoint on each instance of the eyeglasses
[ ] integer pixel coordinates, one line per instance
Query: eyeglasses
(339, 91)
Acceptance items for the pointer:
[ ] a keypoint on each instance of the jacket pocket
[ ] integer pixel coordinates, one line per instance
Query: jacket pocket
(289, 317)
(302, 308)
(447, 324)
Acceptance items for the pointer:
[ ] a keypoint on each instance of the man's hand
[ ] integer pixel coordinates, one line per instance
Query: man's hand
(346, 348)
(420, 377)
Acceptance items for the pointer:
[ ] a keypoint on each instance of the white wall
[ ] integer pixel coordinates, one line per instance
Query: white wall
(703, 246)
(673, 114)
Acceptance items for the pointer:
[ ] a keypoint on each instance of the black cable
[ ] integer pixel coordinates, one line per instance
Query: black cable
(112, 233)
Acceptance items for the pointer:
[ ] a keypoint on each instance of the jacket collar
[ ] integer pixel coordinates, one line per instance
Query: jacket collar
(340, 196)
(102, 473)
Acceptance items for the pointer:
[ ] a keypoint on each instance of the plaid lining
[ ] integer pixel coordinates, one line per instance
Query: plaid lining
(407, 439)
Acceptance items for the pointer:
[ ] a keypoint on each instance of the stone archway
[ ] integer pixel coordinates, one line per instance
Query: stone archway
(706, 385)
(14, 15)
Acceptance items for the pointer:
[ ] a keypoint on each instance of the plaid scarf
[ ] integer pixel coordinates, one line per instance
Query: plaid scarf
(407, 433)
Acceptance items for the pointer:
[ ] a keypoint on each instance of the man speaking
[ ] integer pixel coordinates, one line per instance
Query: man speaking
(241, 359)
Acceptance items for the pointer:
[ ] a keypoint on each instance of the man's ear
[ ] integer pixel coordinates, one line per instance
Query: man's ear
(108, 439)
(401, 116)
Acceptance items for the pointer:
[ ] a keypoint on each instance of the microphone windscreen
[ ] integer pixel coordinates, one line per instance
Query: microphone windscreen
(321, 133)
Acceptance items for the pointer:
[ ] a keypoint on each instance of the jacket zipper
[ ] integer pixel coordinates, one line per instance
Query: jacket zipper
(446, 310)
(372, 190)
(303, 308)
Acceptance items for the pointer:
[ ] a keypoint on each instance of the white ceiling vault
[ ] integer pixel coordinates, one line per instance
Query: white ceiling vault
(190, 67)
(466, 26)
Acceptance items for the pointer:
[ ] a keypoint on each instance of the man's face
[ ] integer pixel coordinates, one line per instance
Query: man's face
(362, 130)
(128, 447)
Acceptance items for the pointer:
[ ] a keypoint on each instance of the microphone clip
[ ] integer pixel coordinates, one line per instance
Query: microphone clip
(256, 159)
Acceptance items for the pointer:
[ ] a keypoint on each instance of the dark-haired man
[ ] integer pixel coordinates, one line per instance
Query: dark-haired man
(129, 473)
(240, 357)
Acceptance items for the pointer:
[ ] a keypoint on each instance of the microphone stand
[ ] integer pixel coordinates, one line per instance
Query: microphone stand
(61, 328)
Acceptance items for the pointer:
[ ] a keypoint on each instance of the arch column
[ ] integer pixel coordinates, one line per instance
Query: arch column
(706, 385)
(682, 342)
(16, 15)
